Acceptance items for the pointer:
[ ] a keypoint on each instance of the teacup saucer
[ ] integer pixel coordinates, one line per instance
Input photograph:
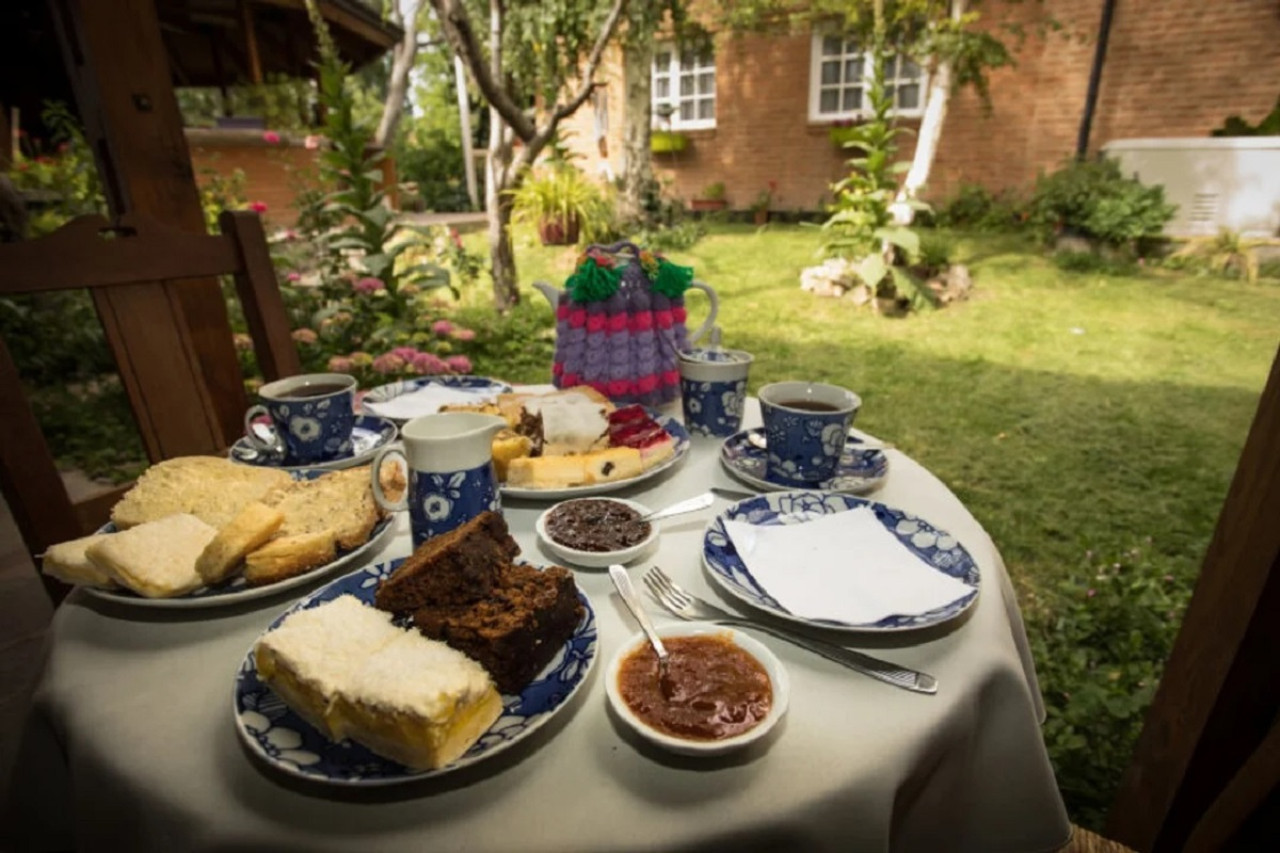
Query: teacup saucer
(368, 436)
(860, 469)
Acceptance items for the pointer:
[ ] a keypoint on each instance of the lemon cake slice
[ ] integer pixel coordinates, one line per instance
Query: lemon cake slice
(416, 701)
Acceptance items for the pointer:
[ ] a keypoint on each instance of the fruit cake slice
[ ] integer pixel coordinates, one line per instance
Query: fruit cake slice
(631, 426)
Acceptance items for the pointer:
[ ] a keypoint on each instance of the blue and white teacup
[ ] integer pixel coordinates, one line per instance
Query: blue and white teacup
(312, 416)
(805, 427)
(451, 477)
(713, 389)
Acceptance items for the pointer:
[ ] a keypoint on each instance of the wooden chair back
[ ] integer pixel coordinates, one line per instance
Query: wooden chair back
(132, 267)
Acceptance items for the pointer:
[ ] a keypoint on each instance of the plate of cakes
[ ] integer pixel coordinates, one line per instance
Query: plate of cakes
(575, 442)
(202, 531)
(418, 667)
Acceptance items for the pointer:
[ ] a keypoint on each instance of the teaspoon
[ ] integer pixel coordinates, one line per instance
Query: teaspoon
(622, 583)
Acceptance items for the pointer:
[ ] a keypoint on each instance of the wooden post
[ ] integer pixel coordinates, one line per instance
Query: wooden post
(173, 343)
(1219, 697)
(250, 41)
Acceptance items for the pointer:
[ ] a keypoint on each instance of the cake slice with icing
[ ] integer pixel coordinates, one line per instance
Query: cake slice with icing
(631, 426)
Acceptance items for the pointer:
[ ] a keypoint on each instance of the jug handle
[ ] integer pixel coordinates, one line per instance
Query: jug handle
(711, 314)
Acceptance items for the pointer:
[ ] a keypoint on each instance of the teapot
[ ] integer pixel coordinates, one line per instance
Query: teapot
(620, 324)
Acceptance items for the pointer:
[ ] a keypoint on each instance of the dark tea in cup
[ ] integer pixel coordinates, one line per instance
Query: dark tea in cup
(809, 406)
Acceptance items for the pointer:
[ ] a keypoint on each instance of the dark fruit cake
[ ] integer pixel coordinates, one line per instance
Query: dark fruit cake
(458, 567)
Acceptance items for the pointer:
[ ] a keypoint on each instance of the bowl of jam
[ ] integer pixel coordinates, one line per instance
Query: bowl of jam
(597, 532)
(723, 689)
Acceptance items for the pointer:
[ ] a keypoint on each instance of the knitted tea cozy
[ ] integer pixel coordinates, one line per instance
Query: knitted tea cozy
(620, 322)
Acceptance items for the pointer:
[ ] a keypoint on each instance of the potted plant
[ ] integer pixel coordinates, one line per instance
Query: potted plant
(711, 198)
(559, 201)
(760, 207)
(667, 142)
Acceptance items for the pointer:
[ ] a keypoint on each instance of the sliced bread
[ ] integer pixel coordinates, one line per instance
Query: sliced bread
(68, 562)
(247, 532)
(340, 502)
(209, 487)
(156, 559)
(287, 556)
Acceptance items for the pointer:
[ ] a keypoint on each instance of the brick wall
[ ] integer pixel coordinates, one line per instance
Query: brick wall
(1174, 68)
(273, 171)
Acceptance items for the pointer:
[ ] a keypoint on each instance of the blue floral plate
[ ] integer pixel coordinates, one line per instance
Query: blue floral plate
(483, 387)
(860, 469)
(368, 436)
(935, 547)
(680, 437)
(285, 741)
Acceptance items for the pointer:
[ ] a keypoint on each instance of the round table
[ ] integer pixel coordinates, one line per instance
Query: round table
(132, 745)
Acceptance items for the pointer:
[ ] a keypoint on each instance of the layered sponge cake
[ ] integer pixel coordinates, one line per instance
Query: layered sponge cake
(351, 673)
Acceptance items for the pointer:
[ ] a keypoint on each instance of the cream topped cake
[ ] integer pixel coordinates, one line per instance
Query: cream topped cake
(571, 423)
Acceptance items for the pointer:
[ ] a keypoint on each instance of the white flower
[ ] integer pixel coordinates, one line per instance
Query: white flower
(694, 404)
(305, 429)
(732, 402)
(833, 439)
(436, 507)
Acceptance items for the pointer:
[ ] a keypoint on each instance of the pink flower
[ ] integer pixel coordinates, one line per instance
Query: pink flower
(388, 362)
(258, 206)
(1091, 593)
(341, 364)
(271, 137)
(311, 142)
(455, 237)
(407, 353)
(242, 341)
(305, 336)
(293, 276)
(442, 327)
(463, 335)
(368, 284)
(429, 363)
(458, 363)
(291, 234)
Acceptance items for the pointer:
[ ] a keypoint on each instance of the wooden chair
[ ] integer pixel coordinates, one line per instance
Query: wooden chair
(132, 268)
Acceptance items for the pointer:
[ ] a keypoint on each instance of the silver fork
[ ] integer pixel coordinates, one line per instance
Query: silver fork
(688, 606)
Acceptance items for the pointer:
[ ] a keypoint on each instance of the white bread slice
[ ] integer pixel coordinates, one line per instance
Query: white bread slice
(248, 531)
(156, 559)
(287, 556)
(416, 701)
(210, 487)
(68, 562)
(340, 502)
(312, 653)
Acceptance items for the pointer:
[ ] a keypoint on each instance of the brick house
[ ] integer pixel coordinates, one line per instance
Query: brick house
(759, 109)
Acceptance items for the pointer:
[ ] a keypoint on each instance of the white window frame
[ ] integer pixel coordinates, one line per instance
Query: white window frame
(673, 73)
(815, 84)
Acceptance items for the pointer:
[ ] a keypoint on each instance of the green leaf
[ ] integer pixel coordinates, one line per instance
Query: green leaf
(872, 269)
(904, 238)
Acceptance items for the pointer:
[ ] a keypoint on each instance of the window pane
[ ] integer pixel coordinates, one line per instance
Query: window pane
(686, 85)
(891, 68)
(706, 84)
(852, 70)
(910, 71)
(830, 73)
(831, 46)
(707, 108)
(662, 88)
(829, 101)
(909, 96)
(852, 100)
(686, 111)
(661, 61)
(687, 61)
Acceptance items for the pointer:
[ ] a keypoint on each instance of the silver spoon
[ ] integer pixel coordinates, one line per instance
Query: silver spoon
(622, 583)
(693, 504)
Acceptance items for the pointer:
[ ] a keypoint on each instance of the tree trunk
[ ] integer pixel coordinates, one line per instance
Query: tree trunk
(639, 189)
(497, 198)
(502, 255)
(403, 56)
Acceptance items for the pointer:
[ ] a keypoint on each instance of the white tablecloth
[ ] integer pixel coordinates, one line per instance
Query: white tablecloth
(132, 746)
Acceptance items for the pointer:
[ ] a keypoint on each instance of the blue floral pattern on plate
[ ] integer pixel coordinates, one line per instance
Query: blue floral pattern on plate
(860, 469)
(674, 428)
(368, 435)
(236, 590)
(479, 384)
(713, 408)
(284, 740)
(440, 502)
(935, 547)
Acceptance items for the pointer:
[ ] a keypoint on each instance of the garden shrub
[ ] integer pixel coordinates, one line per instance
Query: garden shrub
(976, 207)
(1100, 645)
(1091, 198)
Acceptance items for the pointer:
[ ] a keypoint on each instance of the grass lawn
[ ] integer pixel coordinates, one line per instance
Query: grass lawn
(1070, 412)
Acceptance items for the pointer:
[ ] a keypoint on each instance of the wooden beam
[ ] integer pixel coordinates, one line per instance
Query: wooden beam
(119, 70)
(1219, 695)
(251, 41)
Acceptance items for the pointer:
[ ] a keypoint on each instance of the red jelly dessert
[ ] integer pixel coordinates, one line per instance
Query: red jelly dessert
(631, 426)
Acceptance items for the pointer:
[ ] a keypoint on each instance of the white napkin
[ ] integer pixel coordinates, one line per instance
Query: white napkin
(427, 400)
(845, 567)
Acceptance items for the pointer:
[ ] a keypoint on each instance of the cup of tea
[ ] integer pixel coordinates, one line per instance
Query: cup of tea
(805, 426)
(451, 477)
(713, 388)
(312, 416)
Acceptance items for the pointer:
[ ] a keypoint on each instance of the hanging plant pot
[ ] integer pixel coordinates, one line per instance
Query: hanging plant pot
(559, 232)
(667, 142)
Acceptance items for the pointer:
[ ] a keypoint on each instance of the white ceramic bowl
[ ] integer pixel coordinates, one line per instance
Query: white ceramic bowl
(597, 559)
(777, 677)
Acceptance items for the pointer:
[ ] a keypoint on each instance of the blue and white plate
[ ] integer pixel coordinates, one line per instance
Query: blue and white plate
(861, 469)
(679, 436)
(369, 435)
(935, 547)
(236, 590)
(482, 386)
(284, 740)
